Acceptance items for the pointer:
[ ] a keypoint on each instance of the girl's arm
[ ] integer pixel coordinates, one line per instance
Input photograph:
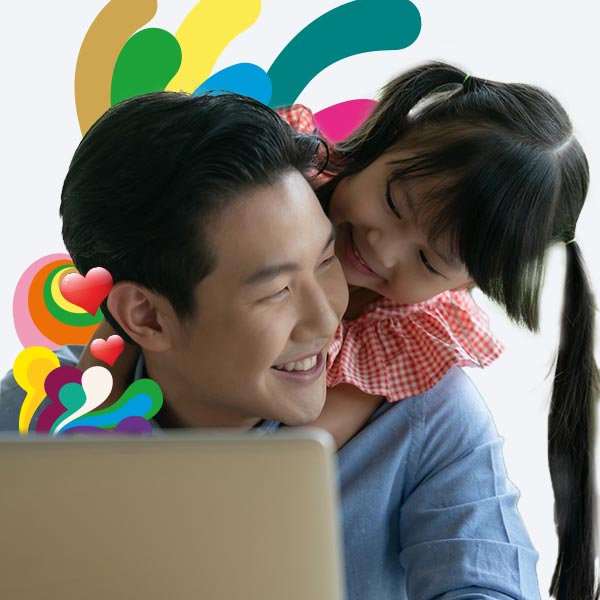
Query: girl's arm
(346, 411)
(123, 369)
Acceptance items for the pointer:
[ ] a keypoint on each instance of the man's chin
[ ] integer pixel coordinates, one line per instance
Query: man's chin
(307, 415)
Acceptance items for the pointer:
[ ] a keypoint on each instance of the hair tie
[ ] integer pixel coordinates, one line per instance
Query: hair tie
(466, 77)
(570, 241)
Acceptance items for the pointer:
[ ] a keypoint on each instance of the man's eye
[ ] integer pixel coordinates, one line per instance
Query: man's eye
(279, 294)
(388, 197)
(427, 263)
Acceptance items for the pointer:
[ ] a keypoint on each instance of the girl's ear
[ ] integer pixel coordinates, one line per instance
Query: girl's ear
(469, 285)
(146, 317)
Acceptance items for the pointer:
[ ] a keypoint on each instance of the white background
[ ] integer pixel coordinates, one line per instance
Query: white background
(542, 42)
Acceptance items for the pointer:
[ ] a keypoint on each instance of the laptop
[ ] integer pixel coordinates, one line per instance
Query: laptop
(209, 516)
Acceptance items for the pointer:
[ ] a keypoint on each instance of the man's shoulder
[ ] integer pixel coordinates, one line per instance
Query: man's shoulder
(455, 398)
(12, 395)
(453, 422)
(444, 423)
(452, 400)
(447, 421)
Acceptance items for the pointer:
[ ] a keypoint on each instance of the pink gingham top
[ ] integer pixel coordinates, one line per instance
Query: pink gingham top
(401, 350)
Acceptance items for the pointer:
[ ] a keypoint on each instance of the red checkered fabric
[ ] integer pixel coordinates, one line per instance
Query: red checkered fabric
(401, 350)
(299, 117)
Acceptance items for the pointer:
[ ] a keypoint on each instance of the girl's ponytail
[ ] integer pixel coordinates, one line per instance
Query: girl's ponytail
(571, 436)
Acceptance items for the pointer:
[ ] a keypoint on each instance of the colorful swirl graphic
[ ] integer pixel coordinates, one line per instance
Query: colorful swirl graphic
(72, 398)
(41, 314)
(119, 60)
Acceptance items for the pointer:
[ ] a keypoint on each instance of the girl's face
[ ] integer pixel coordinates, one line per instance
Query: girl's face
(379, 243)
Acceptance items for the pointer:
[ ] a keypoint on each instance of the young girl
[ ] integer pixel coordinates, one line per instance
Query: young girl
(455, 181)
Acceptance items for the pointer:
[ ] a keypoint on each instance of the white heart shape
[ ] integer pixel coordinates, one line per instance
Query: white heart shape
(97, 383)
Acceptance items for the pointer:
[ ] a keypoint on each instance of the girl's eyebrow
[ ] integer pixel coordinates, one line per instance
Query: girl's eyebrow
(407, 201)
(408, 198)
(270, 271)
(450, 259)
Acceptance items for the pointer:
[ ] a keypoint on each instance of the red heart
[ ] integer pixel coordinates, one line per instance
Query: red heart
(87, 292)
(108, 350)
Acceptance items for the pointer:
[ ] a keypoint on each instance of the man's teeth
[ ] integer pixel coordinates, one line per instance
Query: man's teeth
(298, 365)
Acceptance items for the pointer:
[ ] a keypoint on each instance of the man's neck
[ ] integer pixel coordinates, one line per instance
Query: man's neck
(184, 407)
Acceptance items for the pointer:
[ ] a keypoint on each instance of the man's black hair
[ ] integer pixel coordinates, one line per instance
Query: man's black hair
(150, 174)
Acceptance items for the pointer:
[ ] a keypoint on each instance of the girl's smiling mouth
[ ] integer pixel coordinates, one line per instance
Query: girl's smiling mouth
(354, 258)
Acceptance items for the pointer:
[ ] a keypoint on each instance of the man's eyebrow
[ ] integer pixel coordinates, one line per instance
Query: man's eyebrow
(273, 270)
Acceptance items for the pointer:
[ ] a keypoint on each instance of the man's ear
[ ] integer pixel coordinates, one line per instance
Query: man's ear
(146, 317)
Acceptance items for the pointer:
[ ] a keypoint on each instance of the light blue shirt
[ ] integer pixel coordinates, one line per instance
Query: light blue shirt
(427, 508)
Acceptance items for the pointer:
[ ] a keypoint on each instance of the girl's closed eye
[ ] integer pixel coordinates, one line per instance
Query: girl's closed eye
(428, 264)
(390, 202)
(328, 261)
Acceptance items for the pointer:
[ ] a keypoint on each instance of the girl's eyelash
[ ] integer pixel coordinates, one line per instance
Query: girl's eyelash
(427, 263)
(328, 261)
(388, 197)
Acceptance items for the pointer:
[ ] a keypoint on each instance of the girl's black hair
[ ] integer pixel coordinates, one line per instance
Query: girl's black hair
(514, 180)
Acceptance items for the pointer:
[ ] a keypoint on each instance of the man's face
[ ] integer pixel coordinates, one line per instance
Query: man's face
(265, 316)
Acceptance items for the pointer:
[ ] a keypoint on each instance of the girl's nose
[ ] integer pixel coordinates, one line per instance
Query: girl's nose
(373, 237)
(385, 250)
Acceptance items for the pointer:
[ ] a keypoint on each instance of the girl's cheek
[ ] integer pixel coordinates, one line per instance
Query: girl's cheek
(338, 290)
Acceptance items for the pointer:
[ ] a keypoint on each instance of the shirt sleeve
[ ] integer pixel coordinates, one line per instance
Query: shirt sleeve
(461, 534)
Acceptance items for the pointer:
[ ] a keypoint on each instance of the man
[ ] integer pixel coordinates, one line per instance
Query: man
(226, 279)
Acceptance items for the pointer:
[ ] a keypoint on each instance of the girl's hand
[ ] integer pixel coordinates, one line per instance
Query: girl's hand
(123, 369)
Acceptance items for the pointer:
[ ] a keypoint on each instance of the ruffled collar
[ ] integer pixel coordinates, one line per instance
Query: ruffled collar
(400, 350)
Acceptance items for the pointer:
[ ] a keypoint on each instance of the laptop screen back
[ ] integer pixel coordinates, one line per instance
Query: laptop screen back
(211, 516)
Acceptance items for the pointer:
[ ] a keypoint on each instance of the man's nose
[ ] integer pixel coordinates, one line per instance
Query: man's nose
(317, 315)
